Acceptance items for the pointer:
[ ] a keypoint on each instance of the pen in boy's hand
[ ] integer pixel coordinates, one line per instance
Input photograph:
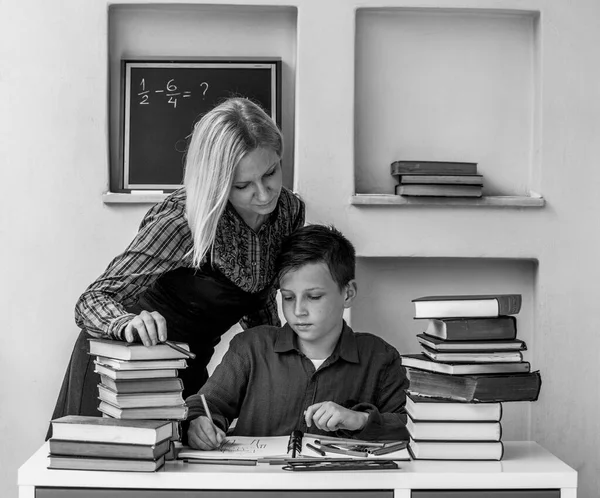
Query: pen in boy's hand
(205, 404)
(174, 346)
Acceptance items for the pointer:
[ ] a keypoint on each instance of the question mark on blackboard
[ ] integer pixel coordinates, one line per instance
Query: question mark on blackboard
(206, 89)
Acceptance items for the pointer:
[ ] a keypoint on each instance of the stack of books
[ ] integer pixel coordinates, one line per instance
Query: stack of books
(471, 362)
(437, 179)
(139, 382)
(100, 443)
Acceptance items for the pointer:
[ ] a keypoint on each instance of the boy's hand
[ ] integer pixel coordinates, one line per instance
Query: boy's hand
(204, 435)
(329, 416)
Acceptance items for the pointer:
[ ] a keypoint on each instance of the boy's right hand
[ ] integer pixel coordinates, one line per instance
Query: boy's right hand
(204, 435)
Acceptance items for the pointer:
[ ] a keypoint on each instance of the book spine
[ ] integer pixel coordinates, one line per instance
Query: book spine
(465, 329)
(509, 305)
(433, 168)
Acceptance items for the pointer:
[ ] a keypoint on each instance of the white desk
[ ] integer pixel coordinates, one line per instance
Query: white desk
(526, 471)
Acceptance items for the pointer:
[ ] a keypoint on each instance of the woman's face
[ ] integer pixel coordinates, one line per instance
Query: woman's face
(256, 185)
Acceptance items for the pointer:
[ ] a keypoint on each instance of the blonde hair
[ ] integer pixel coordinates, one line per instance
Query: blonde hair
(219, 141)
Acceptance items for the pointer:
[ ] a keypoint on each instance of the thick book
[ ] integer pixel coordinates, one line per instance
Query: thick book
(473, 329)
(107, 430)
(444, 450)
(141, 364)
(441, 179)
(143, 385)
(133, 374)
(439, 190)
(484, 305)
(423, 362)
(424, 408)
(453, 430)
(140, 400)
(152, 412)
(59, 447)
(433, 168)
(438, 344)
(473, 357)
(112, 464)
(476, 388)
(122, 350)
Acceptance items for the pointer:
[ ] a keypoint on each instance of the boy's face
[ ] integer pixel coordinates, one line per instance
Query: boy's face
(313, 304)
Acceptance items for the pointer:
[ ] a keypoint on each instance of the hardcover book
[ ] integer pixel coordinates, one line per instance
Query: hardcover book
(473, 329)
(441, 179)
(122, 350)
(140, 364)
(442, 450)
(439, 190)
(433, 168)
(113, 464)
(453, 431)
(133, 374)
(143, 385)
(473, 357)
(486, 305)
(153, 412)
(107, 430)
(140, 400)
(438, 344)
(433, 409)
(109, 450)
(423, 362)
(476, 388)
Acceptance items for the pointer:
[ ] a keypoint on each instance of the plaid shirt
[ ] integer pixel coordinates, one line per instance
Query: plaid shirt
(164, 243)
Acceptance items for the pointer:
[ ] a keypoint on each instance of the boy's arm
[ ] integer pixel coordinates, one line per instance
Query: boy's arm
(225, 389)
(387, 418)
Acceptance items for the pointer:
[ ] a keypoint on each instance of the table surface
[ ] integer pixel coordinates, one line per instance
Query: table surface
(525, 465)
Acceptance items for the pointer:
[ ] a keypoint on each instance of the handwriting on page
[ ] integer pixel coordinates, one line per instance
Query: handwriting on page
(231, 445)
(171, 92)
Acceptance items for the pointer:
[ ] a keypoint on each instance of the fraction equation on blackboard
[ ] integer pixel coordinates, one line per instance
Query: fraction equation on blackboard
(171, 92)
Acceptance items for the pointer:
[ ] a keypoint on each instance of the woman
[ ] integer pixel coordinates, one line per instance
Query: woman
(203, 259)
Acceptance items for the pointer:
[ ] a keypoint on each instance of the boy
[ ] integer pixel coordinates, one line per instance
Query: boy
(314, 372)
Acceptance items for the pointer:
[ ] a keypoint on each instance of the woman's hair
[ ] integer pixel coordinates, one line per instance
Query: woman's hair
(318, 244)
(222, 137)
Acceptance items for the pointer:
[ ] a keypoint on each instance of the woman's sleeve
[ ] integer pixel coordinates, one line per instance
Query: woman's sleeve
(159, 246)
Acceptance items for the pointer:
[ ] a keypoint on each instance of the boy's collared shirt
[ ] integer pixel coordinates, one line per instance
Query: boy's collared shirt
(267, 383)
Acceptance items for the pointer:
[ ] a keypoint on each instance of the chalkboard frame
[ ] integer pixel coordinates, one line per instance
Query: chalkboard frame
(119, 177)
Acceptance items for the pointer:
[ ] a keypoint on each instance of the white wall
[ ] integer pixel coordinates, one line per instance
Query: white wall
(57, 235)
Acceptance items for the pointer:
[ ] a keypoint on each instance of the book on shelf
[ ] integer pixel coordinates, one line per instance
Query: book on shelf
(116, 364)
(140, 400)
(122, 350)
(476, 388)
(434, 409)
(463, 306)
(422, 179)
(443, 450)
(59, 447)
(112, 464)
(473, 357)
(472, 329)
(133, 374)
(143, 385)
(433, 168)
(453, 430)
(431, 190)
(423, 362)
(438, 344)
(109, 430)
(153, 412)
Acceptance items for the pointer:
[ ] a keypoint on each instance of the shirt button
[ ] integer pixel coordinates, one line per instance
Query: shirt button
(254, 263)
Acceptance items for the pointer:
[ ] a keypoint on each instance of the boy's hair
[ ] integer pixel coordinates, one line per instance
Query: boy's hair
(318, 244)
(219, 141)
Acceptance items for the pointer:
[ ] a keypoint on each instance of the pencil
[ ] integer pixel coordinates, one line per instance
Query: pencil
(205, 404)
(316, 450)
(174, 346)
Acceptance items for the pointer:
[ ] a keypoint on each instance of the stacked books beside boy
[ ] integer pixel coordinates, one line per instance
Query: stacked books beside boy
(139, 382)
(471, 362)
(104, 443)
(437, 179)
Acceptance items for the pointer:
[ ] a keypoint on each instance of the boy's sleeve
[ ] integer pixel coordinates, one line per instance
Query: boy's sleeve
(225, 389)
(387, 419)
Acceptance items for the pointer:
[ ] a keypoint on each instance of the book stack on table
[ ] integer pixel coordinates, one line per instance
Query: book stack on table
(471, 362)
(139, 382)
(102, 443)
(437, 179)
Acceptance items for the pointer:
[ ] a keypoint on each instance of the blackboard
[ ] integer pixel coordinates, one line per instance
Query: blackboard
(161, 101)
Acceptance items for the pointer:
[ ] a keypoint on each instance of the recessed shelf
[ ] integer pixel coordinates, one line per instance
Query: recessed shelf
(142, 198)
(503, 201)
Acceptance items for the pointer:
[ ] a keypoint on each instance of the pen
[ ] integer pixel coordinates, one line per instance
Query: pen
(316, 450)
(340, 451)
(389, 448)
(339, 440)
(174, 346)
(205, 404)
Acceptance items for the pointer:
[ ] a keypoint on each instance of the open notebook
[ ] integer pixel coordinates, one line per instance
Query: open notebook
(277, 448)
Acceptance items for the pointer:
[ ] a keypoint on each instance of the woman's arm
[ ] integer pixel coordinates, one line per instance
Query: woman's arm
(160, 245)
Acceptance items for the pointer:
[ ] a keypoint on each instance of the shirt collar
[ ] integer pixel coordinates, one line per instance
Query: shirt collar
(346, 347)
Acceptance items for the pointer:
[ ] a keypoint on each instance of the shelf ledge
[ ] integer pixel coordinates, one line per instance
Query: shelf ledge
(506, 201)
(138, 198)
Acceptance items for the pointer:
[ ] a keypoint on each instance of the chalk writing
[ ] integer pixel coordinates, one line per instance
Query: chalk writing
(170, 92)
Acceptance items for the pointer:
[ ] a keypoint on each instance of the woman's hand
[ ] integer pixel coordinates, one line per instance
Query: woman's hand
(204, 435)
(329, 416)
(149, 327)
